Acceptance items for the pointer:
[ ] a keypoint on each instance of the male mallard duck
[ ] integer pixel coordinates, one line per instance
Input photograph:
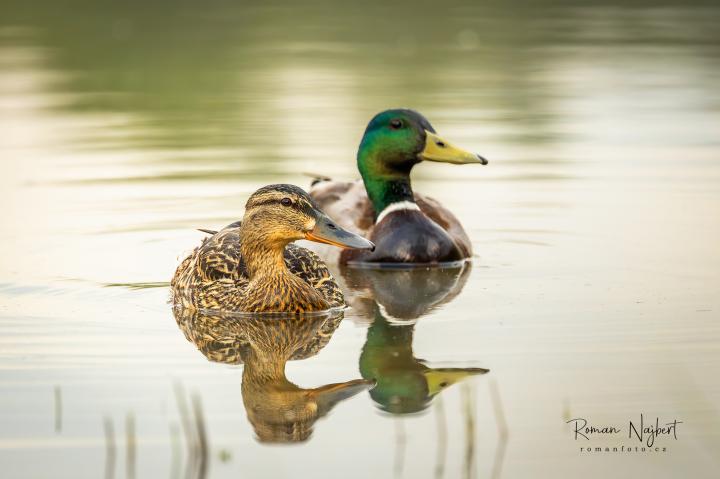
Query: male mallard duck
(251, 266)
(406, 227)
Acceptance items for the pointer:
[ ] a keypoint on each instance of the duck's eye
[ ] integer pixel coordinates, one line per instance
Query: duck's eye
(396, 124)
(286, 202)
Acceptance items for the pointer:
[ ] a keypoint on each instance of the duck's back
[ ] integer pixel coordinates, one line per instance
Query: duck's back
(214, 275)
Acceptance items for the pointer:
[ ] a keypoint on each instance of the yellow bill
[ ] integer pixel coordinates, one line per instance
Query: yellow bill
(437, 149)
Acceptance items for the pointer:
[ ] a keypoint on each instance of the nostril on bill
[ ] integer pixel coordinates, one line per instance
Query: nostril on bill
(440, 144)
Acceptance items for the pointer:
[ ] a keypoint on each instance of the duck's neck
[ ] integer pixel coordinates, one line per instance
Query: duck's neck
(263, 258)
(385, 184)
(273, 287)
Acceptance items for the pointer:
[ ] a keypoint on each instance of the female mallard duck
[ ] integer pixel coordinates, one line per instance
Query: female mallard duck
(405, 227)
(251, 266)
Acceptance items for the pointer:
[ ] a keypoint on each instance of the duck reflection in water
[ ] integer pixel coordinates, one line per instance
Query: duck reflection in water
(394, 300)
(278, 409)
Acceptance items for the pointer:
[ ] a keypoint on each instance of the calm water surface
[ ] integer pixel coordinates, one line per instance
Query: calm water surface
(594, 292)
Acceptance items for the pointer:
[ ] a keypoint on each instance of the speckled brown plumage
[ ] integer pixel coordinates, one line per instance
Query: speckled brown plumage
(214, 276)
(253, 266)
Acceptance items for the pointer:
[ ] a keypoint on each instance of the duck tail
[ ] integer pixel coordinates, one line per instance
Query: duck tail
(316, 178)
(236, 224)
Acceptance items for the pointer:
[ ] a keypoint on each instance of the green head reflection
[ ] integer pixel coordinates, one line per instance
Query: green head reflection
(404, 384)
(394, 300)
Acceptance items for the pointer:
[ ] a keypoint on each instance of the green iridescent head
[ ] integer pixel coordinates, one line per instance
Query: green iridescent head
(394, 142)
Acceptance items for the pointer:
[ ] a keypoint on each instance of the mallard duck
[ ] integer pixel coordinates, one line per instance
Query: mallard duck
(278, 409)
(406, 227)
(252, 266)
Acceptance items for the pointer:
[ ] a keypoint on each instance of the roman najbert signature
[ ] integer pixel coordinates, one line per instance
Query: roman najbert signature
(643, 432)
